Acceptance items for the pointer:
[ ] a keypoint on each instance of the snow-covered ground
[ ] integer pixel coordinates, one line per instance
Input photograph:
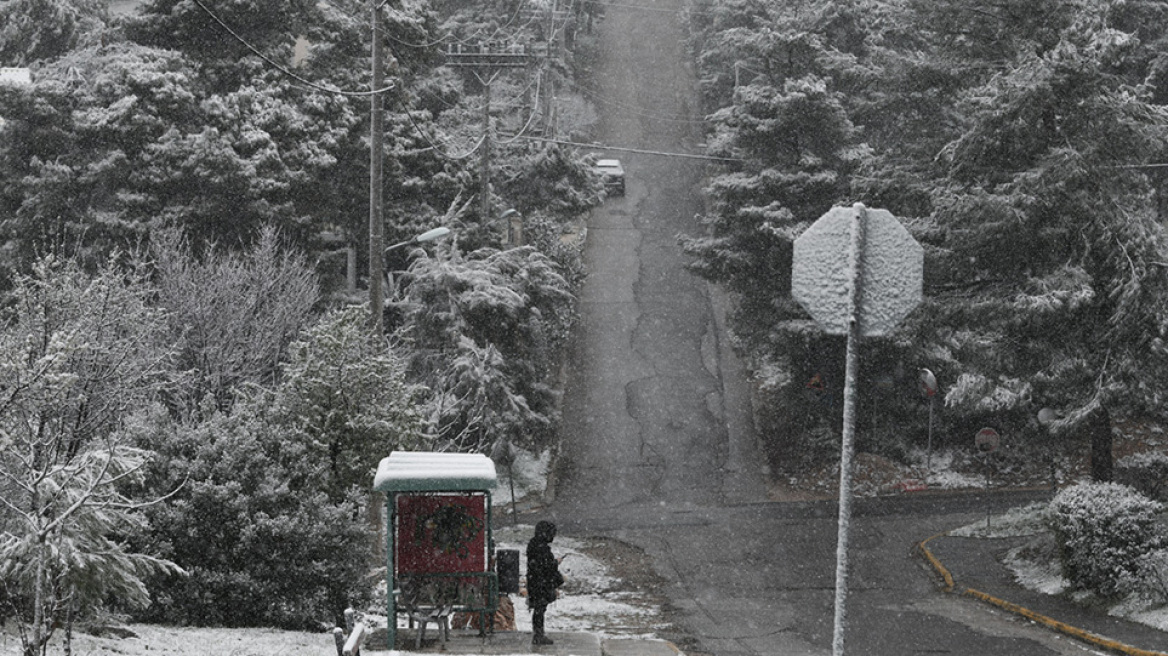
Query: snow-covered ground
(593, 600)
(940, 469)
(530, 472)
(1036, 567)
(594, 597)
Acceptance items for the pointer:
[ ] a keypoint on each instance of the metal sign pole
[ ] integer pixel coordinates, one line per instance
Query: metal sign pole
(847, 446)
(929, 389)
(858, 273)
(929, 452)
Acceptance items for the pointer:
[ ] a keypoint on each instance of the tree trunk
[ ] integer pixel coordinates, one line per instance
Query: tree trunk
(38, 610)
(1101, 460)
(69, 624)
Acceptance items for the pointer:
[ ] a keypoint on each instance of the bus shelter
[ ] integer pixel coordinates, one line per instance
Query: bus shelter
(438, 534)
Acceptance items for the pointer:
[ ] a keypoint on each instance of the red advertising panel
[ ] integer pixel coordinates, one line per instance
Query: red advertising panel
(441, 533)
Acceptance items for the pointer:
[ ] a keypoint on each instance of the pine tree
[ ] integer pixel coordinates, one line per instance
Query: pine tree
(484, 329)
(1054, 288)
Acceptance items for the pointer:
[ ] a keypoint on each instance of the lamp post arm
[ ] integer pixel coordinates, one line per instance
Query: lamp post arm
(429, 235)
(401, 244)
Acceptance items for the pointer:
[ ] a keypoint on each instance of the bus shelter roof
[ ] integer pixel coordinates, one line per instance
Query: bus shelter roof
(425, 471)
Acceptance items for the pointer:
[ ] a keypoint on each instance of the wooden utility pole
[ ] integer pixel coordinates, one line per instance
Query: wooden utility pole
(376, 158)
(485, 174)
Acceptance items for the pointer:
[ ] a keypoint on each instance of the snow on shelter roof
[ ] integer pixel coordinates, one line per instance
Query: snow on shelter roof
(425, 471)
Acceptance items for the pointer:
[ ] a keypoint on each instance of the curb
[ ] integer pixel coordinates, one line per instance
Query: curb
(1061, 627)
(638, 647)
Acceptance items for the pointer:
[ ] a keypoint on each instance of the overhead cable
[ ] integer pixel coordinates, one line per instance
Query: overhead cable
(641, 151)
(283, 69)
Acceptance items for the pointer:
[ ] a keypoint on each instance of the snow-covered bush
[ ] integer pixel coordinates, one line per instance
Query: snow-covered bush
(253, 526)
(1104, 530)
(1153, 576)
(80, 356)
(1146, 472)
(485, 330)
(268, 517)
(268, 520)
(233, 314)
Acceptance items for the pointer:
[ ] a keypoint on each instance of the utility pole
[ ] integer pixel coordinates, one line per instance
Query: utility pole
(485, 174)
(376, 159)
(485, 63)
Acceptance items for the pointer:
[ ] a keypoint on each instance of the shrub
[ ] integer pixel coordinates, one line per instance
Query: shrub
(271, 493)
(1154, 576)
(260, 539)
(1103, 530)
(1146, 472)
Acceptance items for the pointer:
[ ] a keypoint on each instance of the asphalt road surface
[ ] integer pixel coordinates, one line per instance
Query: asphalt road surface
(648, 378)
(658, 445)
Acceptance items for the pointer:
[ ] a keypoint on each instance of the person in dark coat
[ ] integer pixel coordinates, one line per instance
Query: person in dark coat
(543, 577)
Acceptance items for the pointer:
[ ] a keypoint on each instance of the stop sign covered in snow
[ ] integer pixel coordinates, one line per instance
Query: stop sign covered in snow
(892, 271)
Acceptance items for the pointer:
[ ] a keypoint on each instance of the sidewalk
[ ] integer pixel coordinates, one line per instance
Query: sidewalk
(468, 642)
(975, 568)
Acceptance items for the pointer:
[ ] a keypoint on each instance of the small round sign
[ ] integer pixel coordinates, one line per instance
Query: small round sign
(987, 440)
(928, 383)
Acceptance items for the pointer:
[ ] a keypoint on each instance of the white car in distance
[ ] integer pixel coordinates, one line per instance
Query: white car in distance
(613, 174)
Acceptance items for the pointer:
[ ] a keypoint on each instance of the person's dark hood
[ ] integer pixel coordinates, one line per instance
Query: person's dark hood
(545, 531)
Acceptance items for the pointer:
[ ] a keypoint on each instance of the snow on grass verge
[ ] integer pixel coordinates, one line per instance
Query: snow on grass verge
(938, 472)
(154, 640)
(593, 599)
(527, 475)
(1015, 522)
(1036, 566)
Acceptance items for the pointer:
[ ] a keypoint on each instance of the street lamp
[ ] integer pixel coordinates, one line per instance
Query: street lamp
(376, 293)
(429, 235)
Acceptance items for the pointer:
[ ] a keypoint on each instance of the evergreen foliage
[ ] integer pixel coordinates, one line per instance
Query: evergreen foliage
(229, 159)
(484, 329)
(344, 392)
(270, 521)
(1055, 230)
(33, 31)
(260, 539)
(1012, 138)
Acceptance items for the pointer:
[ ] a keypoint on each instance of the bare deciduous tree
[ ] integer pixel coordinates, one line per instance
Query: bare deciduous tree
(236, 312)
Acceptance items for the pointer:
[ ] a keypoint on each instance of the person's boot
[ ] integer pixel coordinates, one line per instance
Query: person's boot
(538, 637)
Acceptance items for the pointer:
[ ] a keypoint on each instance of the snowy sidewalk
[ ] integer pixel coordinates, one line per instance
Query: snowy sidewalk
(977, 563)
(467, 643)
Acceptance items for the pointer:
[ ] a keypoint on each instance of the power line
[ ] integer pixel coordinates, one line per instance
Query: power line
(440, 149)
(659, 153)
(530, 116)
(281, 67)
